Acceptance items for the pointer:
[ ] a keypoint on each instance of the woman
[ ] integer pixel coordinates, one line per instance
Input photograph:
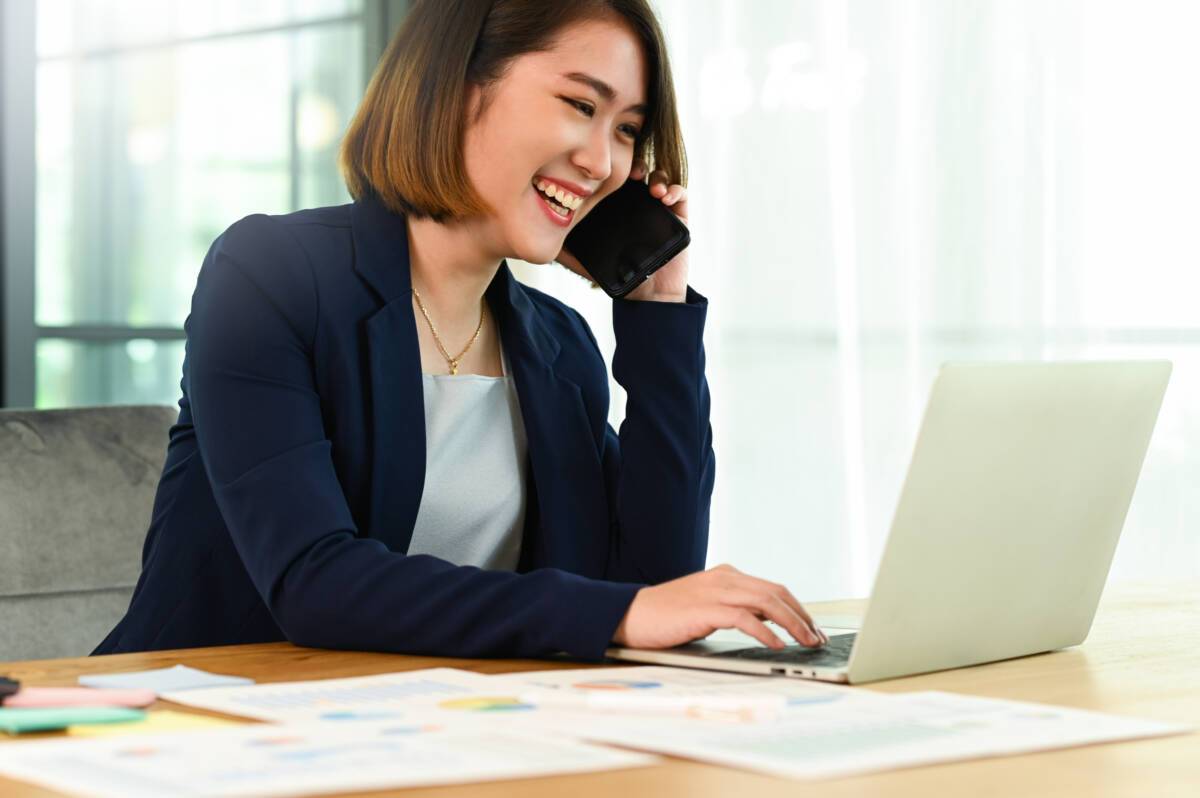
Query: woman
(386, 442)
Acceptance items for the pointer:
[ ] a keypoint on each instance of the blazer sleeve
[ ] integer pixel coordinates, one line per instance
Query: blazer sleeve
(659, 470)
(249, 378)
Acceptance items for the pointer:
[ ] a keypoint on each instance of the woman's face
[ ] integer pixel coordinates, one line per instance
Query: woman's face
(566, 118)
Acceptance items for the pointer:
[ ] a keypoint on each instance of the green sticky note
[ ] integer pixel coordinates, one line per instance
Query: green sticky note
(19, 719)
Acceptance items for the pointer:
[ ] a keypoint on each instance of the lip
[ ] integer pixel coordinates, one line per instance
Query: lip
(551, 214)
(574, 188)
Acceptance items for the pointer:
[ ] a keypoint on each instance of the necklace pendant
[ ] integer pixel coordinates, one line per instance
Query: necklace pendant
(453, 366)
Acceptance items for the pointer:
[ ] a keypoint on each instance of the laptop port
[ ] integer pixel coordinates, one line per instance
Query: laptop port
(780, 671)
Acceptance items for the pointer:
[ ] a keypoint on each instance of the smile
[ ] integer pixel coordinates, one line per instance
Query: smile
(558, 204)
(558, 194)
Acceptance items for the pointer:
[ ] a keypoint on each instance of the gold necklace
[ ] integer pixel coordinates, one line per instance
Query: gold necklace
(453, 361)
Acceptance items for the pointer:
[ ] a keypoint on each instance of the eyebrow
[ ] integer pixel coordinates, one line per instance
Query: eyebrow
(603, 89)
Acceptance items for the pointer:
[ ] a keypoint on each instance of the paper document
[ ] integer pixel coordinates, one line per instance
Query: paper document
(297, 759)
(786, 727)
(383, 697)
(552, 701)
(855, 731)
(656, 689)
(162, 680)
(655, 680)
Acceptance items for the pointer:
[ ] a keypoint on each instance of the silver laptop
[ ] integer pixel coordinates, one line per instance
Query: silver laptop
(1019, 484)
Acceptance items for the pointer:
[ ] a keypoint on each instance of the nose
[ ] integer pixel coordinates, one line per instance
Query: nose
(595, 157)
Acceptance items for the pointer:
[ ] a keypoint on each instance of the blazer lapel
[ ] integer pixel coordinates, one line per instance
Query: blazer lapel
(394, 358)
(565, 466)
(567, 483)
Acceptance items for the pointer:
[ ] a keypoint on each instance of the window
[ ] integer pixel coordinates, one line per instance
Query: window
(879, 186)
(158, 124)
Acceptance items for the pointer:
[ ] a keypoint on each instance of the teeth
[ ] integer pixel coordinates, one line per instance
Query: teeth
(568, 199)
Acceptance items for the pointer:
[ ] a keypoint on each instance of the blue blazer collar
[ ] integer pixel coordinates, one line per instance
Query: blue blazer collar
(381, 258)
(552, 407)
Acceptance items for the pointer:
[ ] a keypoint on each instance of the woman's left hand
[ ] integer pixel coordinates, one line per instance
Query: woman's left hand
(668, 283)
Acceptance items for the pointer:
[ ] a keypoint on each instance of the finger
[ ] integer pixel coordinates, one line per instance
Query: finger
(658, 182)
(774, 609)
(800, 628)
(675, 194)
(786, 596)
(748, 623)
(798, 608)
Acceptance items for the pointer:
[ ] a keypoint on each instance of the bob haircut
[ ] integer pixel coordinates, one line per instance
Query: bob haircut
(405, 142)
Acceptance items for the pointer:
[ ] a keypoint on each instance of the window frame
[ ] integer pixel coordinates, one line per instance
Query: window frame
(17, 202)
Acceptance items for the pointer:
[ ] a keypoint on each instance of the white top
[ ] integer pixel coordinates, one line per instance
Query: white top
(473, 506)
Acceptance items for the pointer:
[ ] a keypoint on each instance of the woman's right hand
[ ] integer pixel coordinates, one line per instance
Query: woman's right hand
(696, 605)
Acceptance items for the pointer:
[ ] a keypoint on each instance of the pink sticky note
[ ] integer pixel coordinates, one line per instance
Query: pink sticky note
(78, 697)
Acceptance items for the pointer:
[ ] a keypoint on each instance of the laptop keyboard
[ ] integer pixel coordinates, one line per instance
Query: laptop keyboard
(834, 655)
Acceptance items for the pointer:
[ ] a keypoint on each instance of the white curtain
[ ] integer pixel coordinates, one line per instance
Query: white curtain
(878, 186)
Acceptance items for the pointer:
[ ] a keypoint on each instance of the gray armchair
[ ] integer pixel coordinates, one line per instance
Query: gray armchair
(76, 490)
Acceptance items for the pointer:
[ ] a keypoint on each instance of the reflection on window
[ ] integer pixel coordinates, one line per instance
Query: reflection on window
(159, 124)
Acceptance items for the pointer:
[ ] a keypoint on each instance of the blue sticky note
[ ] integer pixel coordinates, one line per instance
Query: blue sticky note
(163, 680)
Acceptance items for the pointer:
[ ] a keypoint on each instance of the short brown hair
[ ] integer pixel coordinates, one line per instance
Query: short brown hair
(404, 144)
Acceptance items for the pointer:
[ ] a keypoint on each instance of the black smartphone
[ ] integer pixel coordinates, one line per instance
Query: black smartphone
(626, 238)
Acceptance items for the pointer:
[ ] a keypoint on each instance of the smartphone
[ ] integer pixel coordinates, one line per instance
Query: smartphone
(626, 238)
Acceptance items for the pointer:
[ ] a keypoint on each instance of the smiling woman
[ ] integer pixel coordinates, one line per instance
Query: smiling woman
(339, 479)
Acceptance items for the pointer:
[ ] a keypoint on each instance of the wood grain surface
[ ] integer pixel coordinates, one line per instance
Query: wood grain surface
(1142, 659)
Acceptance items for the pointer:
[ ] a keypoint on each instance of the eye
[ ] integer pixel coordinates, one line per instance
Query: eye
(632, 131)
(582, 107)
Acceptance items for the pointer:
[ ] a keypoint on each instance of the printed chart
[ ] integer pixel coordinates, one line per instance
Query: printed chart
(299, 759)
(388, 696)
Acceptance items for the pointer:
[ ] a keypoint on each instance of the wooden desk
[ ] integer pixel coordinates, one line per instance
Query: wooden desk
(1142, 658)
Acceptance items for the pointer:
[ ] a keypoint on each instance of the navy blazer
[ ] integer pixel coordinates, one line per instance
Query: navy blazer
(294, 473)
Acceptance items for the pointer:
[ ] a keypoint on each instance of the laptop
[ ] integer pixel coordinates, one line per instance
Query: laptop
(1002, 539)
